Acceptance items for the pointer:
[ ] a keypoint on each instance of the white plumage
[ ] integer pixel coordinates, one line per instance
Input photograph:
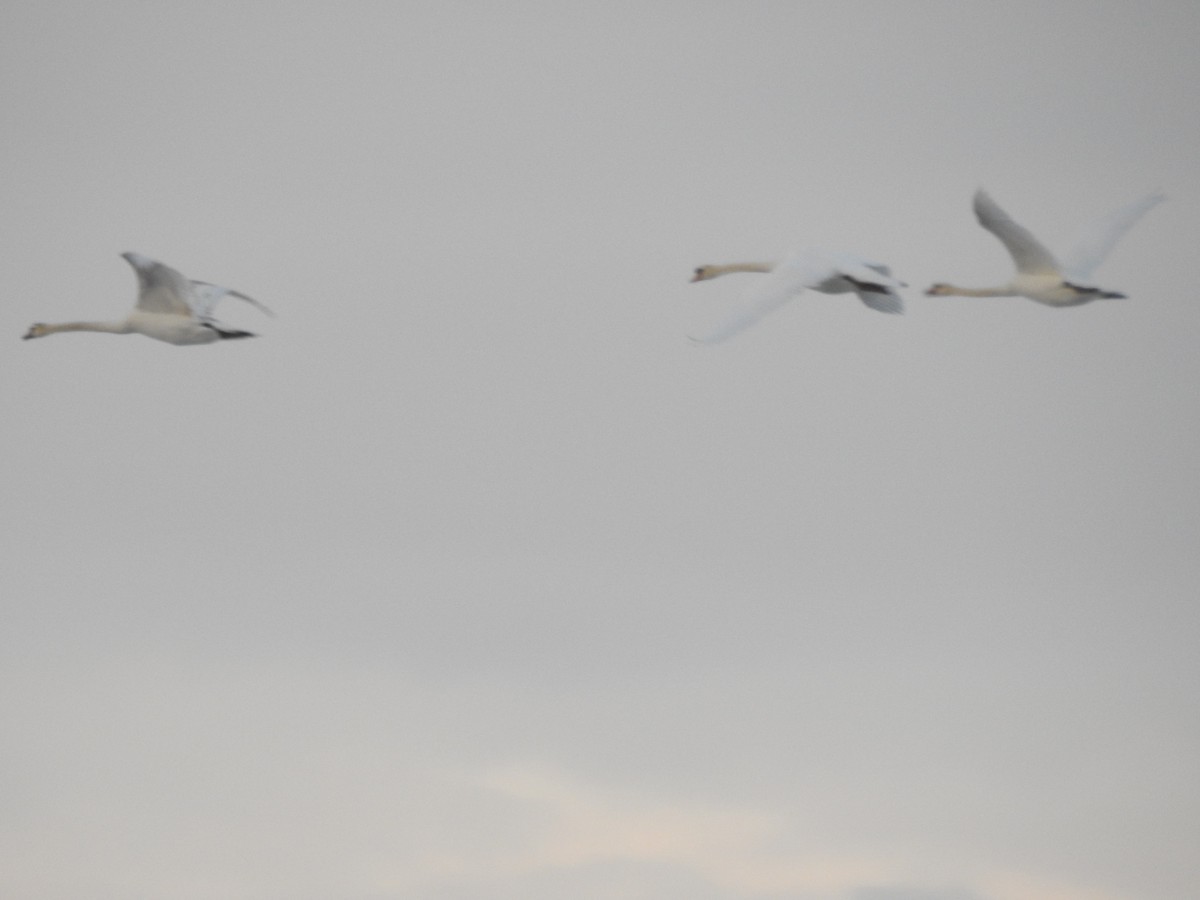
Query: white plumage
(1040, 276)
(169, 308)
(817, 270)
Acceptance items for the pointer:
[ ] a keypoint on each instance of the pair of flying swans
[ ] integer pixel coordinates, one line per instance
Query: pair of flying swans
(1039, 276)
(169, 308)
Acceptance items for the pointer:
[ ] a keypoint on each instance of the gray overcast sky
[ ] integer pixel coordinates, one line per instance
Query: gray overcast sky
(472, 578)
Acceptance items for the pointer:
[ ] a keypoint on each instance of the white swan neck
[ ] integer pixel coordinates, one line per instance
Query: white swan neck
(741, 267)
(121, 327)
(979, 292)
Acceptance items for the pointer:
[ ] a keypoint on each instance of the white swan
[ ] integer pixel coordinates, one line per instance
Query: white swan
(1039, 275)
(169, 308)
(829, 273)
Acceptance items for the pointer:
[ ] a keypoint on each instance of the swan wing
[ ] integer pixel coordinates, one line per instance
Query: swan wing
(873, 283)
(160, 288)
(787, 280)
(1030, 256)
(205, 296)
(884, 300)
(1098, 241)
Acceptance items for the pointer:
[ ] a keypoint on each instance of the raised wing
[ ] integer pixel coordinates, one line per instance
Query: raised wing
(789, 279)
(205, 296)
(1030, 256)
(1096, 243)
(160, 288)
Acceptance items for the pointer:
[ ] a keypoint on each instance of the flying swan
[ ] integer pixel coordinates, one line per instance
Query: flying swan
(829, 273)
(1040, 276)
(169, 308)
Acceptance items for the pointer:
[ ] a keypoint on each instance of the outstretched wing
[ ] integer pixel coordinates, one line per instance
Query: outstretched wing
(205, 296)
(1030, 256)
(160, 288)
(787, 280)
(1096, 243)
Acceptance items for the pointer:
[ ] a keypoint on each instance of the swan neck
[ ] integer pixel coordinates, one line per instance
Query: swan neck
(980, 292)
(121, 327)
(742, 267)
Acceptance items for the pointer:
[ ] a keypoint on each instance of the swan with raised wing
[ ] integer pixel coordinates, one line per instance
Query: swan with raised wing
(1040, 276)
(817, 270)
(169, 308)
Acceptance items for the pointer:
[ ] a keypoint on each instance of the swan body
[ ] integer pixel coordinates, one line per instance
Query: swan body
(169, 308)
(1040, 276)
(829, 273)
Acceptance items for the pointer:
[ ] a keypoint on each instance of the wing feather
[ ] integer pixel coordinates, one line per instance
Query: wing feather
(205, 296)
(789, 279)
(1030, 256)
(885, 301)
(160, 288)
(1096, 243)
(873, 283)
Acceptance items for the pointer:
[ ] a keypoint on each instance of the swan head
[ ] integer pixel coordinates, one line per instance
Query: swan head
(704, 273)
(939, 290)
(35, 331)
